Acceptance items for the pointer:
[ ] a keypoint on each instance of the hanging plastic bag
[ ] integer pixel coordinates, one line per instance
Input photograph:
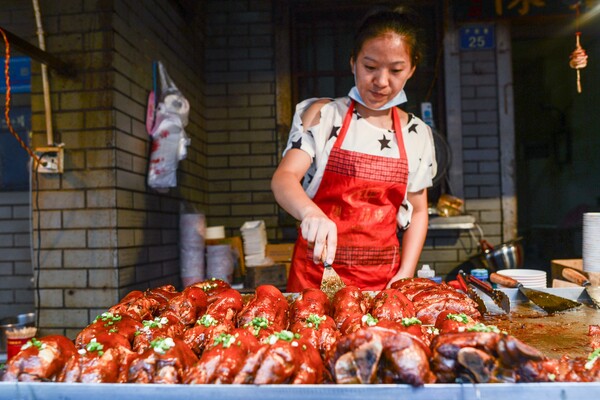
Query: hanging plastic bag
(165, 125)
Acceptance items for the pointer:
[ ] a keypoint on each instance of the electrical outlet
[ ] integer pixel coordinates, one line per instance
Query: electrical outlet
(51, 160)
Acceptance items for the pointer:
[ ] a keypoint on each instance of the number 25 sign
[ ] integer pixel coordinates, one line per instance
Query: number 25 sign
(477, 37)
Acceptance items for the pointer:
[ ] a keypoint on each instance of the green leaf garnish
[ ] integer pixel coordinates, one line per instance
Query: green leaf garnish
(157, 322)
(288, 336)
(207, 320)
(369, 320)
(225, 340)
(109, 318)
(592, 358)
(480, 327)
(33, 342)
(162, 345)
(411, 321)
(313, 320)
(458, 318)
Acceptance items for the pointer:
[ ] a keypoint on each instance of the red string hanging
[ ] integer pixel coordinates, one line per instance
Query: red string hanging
(7, 103)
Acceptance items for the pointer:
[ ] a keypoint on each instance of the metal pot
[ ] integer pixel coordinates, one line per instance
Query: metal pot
(508, 255)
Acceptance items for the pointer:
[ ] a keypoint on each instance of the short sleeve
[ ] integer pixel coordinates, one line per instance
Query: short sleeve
(422, 176)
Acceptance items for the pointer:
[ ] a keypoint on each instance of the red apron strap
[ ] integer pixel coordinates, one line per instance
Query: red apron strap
(345, 125)
(398, 129)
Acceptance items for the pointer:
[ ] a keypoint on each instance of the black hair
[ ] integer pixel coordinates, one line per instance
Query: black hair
(382, 19)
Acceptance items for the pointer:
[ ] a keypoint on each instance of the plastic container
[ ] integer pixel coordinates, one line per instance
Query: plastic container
(427, 272)
(481, 273)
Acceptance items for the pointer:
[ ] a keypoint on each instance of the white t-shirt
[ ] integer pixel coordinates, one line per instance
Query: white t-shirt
(363, 137)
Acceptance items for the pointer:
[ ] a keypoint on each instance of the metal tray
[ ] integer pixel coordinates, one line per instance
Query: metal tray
(522, 315)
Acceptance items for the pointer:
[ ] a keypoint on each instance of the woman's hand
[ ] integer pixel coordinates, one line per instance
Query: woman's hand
(320, 232)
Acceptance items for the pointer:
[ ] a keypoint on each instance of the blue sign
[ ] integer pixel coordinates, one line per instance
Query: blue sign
(477, 37)
(14, 160)
(19, 71)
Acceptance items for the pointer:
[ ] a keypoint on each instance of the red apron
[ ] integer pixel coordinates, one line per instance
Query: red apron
(361, 193)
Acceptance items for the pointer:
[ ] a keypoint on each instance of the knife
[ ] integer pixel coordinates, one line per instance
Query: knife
(582, 280)
(546, 301)
(498, 296)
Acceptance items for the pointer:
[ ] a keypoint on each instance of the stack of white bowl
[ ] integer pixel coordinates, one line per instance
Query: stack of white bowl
(254, 238)
(591, 242)
(531, 278)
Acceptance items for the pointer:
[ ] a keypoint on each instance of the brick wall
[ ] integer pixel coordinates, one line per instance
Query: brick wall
(240, 110)
(481, 163)
(104, 232)
(16, 296)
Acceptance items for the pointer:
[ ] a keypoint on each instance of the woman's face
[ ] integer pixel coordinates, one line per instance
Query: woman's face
(382, 68)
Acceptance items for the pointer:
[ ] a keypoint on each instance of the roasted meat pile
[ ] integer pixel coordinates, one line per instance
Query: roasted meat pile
(415, 332)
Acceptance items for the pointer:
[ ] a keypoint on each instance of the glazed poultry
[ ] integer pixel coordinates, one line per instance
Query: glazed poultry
(208, 334)
(219, 318)
(105, 359)
(265, 313)
(108, 322)
(565, 369)
(180, 312)
(187, 306)
(52, 358)
(283, 358)
(223, 359)
(144, 305)
(450, 322)
(309, 318)
(212, 286)
(166, 361)
(392, 305)
(349, 307)
(480, 356)
(431, 301)
(310, 301)
(380, 355)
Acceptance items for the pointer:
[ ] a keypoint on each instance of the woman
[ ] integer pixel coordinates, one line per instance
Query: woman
(358, 166)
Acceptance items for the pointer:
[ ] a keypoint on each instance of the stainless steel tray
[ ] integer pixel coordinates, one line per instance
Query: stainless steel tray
(521, 311)
(514, 391)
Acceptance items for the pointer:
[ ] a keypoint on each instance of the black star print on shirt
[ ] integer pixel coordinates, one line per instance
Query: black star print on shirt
(358, 116)
(412, 128)
(384, 143)
(334, 132)
(297, 143)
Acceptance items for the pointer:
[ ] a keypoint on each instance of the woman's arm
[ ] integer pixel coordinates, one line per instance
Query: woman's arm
(414, 237)
(316, 228)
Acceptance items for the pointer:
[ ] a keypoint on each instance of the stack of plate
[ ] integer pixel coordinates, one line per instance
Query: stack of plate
(591, 242)
(531, 278)
(254, 238)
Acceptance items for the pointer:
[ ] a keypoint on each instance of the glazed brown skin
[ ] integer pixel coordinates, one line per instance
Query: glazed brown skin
(498, 357)
(212, 287)
(448, 325)
(310, 301)
(56, 362)
(361, 356)
(171, 328)
(221, 363)
(392, 305)
(223, 307)
(109, 367)
(564, 369)
(349, 305)
(154, 367)
(187, 306)
(126, 327)
(323, 338)
(268, 302)
(144, 306)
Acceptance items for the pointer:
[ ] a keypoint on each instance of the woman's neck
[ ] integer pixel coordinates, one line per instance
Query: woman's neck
(379, 118)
